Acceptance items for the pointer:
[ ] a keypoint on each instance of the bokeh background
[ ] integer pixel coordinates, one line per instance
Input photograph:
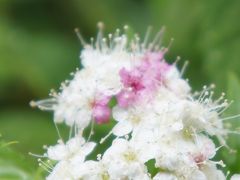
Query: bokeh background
(38, 50)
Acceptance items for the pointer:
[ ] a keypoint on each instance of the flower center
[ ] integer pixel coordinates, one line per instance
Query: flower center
(199, 159)
(105, 176)
(130, 156)
(135, 119)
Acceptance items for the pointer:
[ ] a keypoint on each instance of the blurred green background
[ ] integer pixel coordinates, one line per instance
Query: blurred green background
(38, 50)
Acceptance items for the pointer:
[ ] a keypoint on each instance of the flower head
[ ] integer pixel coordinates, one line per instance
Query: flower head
(157, 117)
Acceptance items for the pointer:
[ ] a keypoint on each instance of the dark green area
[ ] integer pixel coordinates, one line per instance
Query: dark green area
(38, 50)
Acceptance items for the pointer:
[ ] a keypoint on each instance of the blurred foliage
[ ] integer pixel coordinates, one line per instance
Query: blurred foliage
(14, 165)
(38, 50)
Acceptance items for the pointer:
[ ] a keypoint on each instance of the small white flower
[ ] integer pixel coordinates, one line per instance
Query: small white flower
(127, 119)
(174, 82)
(164, 176)
(62, 170)
(204, 117)
(69, 156)
(74, 151)
(90, 170)
(210, 171)
(182, 156)
(235, 177)
(124, 160)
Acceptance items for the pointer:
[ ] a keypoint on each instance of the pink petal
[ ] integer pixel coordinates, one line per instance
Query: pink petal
(102, 100)
(101, 114)
(125, 98)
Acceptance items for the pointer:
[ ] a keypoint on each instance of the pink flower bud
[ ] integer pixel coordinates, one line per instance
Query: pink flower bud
(101, 114)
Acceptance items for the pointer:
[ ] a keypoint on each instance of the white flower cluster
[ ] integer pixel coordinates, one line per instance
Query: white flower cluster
(156, 116)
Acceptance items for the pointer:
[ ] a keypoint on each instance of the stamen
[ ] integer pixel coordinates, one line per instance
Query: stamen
(221, 163)
(206, 93)
(158, 38)
(37, 155)
(230, 117)
(117, 34)
(44, 167)
(145, 42)
(226, 105)
(46, 104)
(177, 60)
(228, 173)
(110, 41)
(104, 45)
(220, 98)
(205, 88)
(92, 41)
(233, 132)
(170, 44)
(184, 68)
(58, 132)
(91, 131)
(126, 28)
(100, 26)
(106, 137)
(48, 165)
(216, 149)
(70, 132)
(81, 39)
(53, 93)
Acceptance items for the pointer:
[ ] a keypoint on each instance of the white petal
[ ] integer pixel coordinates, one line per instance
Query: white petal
(88, 148)
(83, 118)
(235, 177)
(74, 144)
(164, 176)
(62, 171)
(178, 126)
(122, 128)
(120, 114)
(57, 152)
